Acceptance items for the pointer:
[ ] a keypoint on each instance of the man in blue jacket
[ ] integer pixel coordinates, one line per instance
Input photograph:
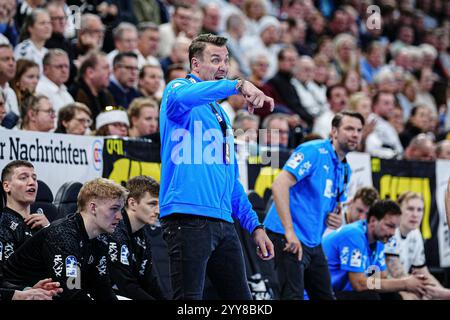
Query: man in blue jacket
(306, 195)
(200, 191)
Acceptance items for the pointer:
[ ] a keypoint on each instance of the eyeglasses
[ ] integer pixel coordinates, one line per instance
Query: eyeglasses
(129, 68)
(111, 108)
(50, 112)
(85, 121)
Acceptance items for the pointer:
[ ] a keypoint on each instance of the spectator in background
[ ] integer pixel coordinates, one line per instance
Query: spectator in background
(36, 30)
(195, 24)
(91, 88)
(254, 10)
(277, 135)
(175, 71)
(338, 101)
(8, 27)
(352, 82)
(144, 117)
(266, 42)
(124, 79)
(59, 38)
(407, 95)
(74, 118)
(396, 119)
(372, 62)
(283, 92)
(90, 37)
(26, 79)
(259, 66)
(421, 148)
(385, 81)
(360, 102)
(148, 44)
(443, 150)
(25, 8)
(303, 78)
(211, 18)
(356, 253)
(384, 142)
(235, 30)
(345, 58)
(125, 40)
(417, 123)
(38, 114)
(112, 122)
(179, 54)
(7, 72)
(405, 252)
(56, 73)
(150, 79)
(426, 79)
(133, 275)
(180, 23)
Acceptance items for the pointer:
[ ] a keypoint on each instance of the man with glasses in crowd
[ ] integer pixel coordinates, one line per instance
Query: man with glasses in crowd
(124, 79)
(56, 73)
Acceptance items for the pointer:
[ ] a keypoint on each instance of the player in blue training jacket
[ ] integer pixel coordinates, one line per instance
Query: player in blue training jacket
(306, 196)
(200, 191)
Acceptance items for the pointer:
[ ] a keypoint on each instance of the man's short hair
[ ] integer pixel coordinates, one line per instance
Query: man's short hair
(120, 56)
(121, 28)
(274, 116)
(90, 62)
(102, 189)
(378, 95)
(52, 53)
(144, 26)
(198, 45)
(381, 208)
(368, 195)
(331, 88)
(408, 195)
(9, 168)
(337, 120)
(139, 185)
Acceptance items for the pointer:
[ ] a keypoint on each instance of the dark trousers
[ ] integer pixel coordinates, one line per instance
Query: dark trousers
(311, 273)
(200, 246)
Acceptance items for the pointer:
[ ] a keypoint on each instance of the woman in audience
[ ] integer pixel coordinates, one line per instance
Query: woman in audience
(26, 79)
(36, 30)
(112, 122)
(361, 102)
(418, 122)
(74, 118)
(143, 116)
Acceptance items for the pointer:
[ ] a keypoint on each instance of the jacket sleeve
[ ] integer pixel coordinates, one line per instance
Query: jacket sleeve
(241, 206)
(183, 95)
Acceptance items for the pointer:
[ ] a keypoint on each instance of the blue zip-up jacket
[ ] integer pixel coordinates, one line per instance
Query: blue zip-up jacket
(194, 178)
